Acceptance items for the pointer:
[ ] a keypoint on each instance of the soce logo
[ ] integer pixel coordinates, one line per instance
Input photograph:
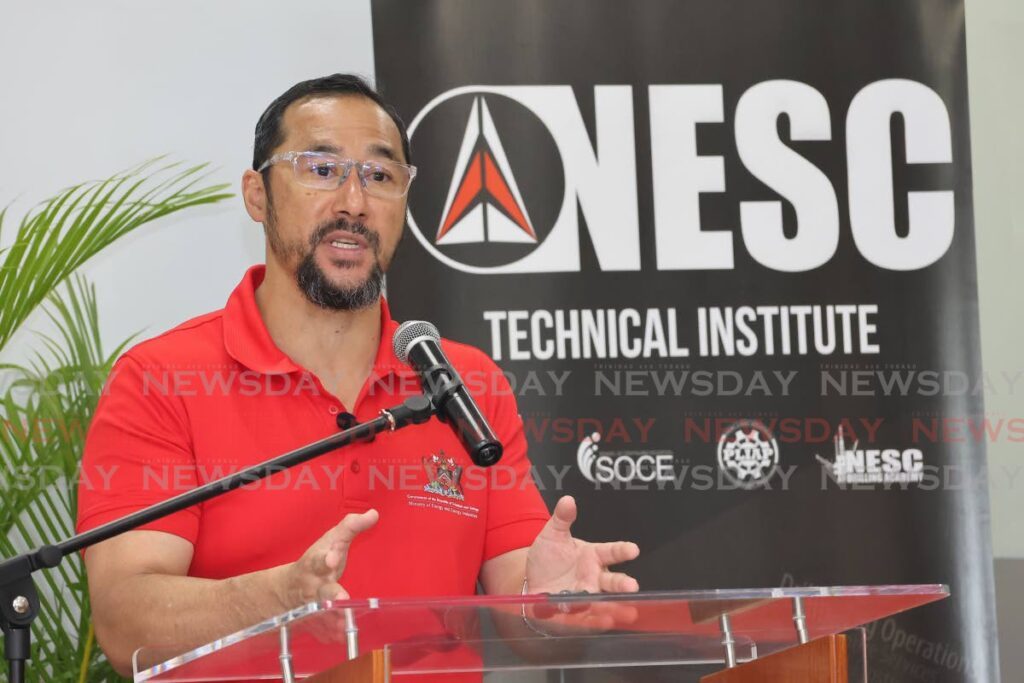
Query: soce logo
(622, 466)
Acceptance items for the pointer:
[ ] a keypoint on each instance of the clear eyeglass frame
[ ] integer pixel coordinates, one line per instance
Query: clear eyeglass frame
(382, 178)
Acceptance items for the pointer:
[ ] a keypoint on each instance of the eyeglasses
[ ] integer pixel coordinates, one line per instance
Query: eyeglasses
(325, 171)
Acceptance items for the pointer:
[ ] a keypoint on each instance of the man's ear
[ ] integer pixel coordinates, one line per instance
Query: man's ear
(254, 194)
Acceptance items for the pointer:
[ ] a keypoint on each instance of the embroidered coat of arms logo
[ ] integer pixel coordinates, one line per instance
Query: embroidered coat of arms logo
(443, 475)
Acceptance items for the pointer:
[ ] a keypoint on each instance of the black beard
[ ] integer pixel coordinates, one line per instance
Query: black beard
(325, 294)
(322, 292)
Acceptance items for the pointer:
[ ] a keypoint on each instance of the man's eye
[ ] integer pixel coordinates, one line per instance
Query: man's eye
(379, 175)
(325, 170)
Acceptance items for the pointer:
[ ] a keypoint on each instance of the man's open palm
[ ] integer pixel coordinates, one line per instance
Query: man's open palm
(558, 562)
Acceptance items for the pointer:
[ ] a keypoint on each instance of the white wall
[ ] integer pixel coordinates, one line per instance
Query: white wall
(91, 88)
(995, 62)
(995, 29)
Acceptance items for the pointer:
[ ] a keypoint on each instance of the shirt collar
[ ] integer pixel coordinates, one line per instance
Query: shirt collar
(248, 341)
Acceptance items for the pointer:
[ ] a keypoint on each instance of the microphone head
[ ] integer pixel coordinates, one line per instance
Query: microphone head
(408, 333)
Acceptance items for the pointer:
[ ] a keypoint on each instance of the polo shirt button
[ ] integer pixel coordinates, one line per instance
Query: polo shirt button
(355, 466)
(333, 410)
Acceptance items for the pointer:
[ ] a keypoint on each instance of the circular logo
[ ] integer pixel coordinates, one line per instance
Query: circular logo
(586, 453)
(491, 182)
(748, 454)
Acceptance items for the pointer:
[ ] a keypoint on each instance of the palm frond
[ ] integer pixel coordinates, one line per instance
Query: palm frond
(41, 451)
(65, 231)
(47, 402)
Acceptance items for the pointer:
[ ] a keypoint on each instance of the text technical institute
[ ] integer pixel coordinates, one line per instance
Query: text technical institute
(609, 333)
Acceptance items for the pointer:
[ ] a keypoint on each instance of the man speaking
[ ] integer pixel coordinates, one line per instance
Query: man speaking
(303, 345)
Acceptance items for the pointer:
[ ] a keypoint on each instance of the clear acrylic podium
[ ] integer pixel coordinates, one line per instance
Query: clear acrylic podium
(719, 636)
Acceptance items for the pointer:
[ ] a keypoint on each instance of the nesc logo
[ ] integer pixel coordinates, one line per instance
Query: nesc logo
(873, 465)
(512, 169)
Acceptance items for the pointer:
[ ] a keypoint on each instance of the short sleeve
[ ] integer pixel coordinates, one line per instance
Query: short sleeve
(138, 452)
(515, 513)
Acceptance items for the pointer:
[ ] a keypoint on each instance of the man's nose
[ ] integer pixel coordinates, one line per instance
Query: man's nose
(350, 197)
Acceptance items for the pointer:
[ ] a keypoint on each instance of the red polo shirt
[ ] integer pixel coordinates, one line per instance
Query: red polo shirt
(215, 395)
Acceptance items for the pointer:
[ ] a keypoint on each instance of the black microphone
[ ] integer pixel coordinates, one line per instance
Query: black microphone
(417, 343)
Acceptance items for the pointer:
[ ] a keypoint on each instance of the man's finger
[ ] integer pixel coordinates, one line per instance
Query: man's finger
(622, 613)
(616, 552)
(617, 582)
(341, 538)
(352, 525)
(332, 559)
(331, 591)
(564, 515)
(327, 627)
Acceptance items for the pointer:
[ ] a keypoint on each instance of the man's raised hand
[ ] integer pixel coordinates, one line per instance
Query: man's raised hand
(315, 576)
(557, 562)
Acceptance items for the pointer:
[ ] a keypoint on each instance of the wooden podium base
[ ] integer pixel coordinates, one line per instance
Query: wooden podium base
(372, 667)
(819, 661)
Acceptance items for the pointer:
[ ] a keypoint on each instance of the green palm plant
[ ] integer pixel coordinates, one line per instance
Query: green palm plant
(47, 402)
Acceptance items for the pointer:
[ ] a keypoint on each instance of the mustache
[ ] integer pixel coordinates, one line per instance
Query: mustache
(356, 228)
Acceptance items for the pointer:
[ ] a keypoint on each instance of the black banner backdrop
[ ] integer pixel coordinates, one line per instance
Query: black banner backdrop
(725, 253)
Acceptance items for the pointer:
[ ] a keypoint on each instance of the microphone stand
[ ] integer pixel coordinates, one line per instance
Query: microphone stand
(19, 601)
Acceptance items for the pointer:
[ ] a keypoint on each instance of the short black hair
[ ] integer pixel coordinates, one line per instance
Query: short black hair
(268, 129)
